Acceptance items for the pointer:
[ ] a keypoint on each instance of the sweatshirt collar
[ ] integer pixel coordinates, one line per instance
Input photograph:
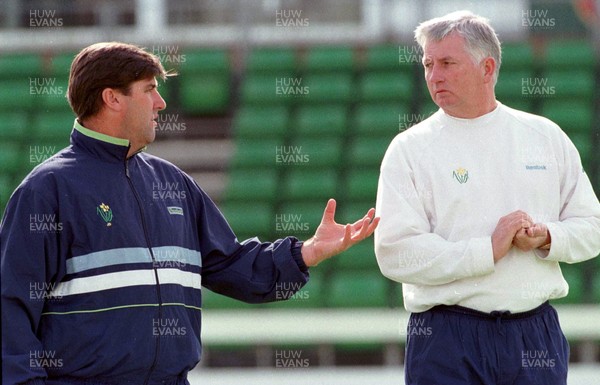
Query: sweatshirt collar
(100, 145)
(474, 121)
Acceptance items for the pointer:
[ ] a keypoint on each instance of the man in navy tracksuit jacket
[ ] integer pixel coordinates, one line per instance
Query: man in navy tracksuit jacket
(97, 262)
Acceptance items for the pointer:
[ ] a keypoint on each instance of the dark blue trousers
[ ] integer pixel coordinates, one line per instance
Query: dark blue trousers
(453, 345)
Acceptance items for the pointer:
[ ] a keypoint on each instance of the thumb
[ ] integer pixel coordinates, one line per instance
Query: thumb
(329, 213)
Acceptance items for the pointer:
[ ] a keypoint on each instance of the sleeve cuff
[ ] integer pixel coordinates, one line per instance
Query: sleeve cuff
(296, 249)
(553, 254)
(484, 262)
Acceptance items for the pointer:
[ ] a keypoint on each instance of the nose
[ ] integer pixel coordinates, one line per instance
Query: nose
(159, 102)
(435, 74)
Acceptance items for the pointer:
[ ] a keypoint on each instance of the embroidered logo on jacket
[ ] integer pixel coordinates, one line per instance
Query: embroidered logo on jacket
(105, 213)
(175, 210)
(461, 175)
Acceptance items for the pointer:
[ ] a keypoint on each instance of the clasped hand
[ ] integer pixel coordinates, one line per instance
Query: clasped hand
(518, 229)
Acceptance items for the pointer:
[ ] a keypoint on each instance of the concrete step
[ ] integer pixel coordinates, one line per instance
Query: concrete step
(194, 154)
(205, 160)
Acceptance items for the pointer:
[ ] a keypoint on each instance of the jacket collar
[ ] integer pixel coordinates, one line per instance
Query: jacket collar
(99, 145)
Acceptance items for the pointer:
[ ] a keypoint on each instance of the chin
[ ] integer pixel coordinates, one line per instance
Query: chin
(150, 136)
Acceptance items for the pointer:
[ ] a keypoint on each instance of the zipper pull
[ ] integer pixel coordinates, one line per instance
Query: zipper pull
(127, 168)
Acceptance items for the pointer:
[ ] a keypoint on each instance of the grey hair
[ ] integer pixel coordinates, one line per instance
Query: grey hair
(480, 38)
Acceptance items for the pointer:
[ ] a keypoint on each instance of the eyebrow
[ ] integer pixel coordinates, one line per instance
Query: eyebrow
(151, 86)
(428, 59)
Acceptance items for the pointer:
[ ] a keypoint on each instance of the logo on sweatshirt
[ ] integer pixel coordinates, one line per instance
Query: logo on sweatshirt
(535, 167)
(105, 213)
(461, 175)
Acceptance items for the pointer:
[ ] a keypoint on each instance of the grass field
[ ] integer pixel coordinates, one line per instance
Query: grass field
(578, 375)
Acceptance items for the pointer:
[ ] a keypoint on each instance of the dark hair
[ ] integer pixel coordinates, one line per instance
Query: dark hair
(108, 65)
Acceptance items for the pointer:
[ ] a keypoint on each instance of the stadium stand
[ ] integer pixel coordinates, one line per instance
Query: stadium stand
(334, 132)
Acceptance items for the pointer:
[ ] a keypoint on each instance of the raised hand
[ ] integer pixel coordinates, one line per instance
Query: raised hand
(332, 238)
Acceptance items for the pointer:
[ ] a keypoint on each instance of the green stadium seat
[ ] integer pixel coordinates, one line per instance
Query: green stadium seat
(397, 297)
(362, 184)
(17, 95)
(570, 55)
(255, 153)
(571, 115)
(57, 99)
(168, 91)
(368, 151)
(53, 127)
(60, 64)
(205, 61)
(249, 219)
(393, 57)
(358, 289)
(327, 59)
(313, 152)
(205, 82)
(574, 277)
(571, 84)
(350, 211)
(583, 142)
(386, 86)
(511, 82)
(212, 300)
(427, 107)
(519, 103)
(272, 88)
(309, 184)
(7, 186)
(275, 60)
(321, 120)
(596, 285)
(300, 218)
(309, 296)
(517, 56)
(12, 158)
(13, 125)
(205, 93)
(21, 65)
(382, 120)
(329, 88)
(360, 257)
(261, 122)
(251, 185)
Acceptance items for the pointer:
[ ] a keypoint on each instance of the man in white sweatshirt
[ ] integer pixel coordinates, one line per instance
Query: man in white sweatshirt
(479, 204)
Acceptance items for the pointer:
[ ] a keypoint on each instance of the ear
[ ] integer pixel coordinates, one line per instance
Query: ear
(489, 66)
(113, 99)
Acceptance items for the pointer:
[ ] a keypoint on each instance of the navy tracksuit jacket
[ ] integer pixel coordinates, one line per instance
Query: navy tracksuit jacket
(102, 260)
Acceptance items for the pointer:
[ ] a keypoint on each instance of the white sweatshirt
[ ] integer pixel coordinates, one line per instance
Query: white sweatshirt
(444, 185)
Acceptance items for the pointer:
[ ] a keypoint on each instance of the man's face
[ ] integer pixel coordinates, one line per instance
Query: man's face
(455, 82)
(142, 106)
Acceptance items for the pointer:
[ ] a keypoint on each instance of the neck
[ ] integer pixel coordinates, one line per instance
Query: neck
(103, 125)
(107, 126)
(479, 109)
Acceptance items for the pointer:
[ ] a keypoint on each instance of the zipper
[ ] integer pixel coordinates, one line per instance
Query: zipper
(147, 237)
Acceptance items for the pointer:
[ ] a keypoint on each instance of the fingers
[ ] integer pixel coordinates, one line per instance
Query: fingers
(368, 226)
(537, 230)
(356, 231)
(359, 223)
(329, 213)
(364, 229)
(516, 221)
(347, 241)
